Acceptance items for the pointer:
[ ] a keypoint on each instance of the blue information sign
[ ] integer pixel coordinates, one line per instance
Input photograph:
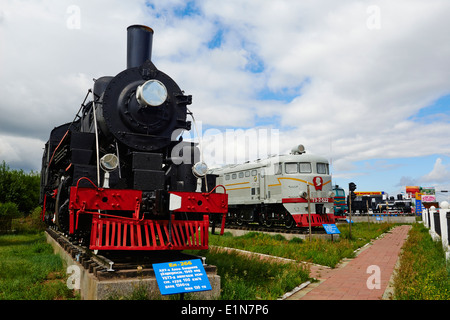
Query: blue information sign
(331, 228)
(181, 277)
(418, 207)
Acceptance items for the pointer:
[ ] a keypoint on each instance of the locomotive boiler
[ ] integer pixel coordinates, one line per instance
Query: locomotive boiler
(119, 177)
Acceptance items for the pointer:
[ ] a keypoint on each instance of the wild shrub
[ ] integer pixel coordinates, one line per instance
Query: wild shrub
(423, 274)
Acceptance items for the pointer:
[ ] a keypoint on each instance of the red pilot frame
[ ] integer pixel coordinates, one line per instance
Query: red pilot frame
(111, 231)
(317, 219)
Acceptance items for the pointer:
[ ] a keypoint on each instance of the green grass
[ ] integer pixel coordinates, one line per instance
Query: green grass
(320, 251)
(29, 270)
(423, 273)
(249, 278)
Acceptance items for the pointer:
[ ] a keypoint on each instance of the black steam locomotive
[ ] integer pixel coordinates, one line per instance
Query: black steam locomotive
(379, 203)
(118, 177)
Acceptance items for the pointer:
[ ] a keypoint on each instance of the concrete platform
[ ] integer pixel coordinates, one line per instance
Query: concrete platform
(377, 218)
(287, 236)
(94, 283)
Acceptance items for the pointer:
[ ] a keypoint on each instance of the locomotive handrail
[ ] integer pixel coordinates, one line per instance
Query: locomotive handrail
(97, 150)
(86, 178)
(219, 185)
(54, 151)
(96, 213)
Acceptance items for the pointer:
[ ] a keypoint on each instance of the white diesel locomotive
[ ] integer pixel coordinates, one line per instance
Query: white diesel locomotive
(274, 191)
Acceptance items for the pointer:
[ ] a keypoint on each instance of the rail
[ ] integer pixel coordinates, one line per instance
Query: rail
(79, 252)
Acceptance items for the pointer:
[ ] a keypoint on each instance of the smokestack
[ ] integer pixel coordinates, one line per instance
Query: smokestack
(139, 45)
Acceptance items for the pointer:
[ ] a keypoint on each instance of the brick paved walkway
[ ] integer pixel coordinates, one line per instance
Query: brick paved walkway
(353, 277)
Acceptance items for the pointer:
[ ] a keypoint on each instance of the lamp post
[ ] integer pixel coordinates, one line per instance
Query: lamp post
(351, 196)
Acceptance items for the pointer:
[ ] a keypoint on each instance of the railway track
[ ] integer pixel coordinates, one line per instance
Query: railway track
(258, 228)
(110, 265)
(90, 261)
(119, 264)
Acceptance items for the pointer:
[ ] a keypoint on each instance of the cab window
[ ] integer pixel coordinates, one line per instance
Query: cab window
(305, 167)
(322, 168)
(277, 168)
(291, 167)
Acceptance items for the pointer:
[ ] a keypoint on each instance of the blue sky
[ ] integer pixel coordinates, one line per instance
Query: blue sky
(386, 172)
(365, 84)
(437, 111)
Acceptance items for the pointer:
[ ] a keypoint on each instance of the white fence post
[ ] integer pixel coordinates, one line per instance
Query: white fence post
(425, 218)
(432, 227)
(444, 227)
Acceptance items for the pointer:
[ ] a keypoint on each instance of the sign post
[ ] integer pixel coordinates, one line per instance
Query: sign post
(351, 196)
(418, 204)
(309, 210)
(368, 219)
(331, 229)
(181, 277)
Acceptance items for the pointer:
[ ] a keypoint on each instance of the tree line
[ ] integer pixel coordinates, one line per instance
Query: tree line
(19, 193)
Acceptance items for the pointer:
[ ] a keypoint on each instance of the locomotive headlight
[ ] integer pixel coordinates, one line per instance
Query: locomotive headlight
(200, 169)
(151, 93)
(109, 162)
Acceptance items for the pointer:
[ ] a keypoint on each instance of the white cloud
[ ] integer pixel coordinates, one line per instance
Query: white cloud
(347, 92)
(439, 174)
(21, 152)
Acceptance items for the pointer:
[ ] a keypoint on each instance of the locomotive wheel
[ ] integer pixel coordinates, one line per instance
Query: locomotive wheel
(290, 223)
(268, 223)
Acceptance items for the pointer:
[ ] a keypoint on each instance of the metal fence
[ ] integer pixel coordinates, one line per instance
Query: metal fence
(438, 221)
